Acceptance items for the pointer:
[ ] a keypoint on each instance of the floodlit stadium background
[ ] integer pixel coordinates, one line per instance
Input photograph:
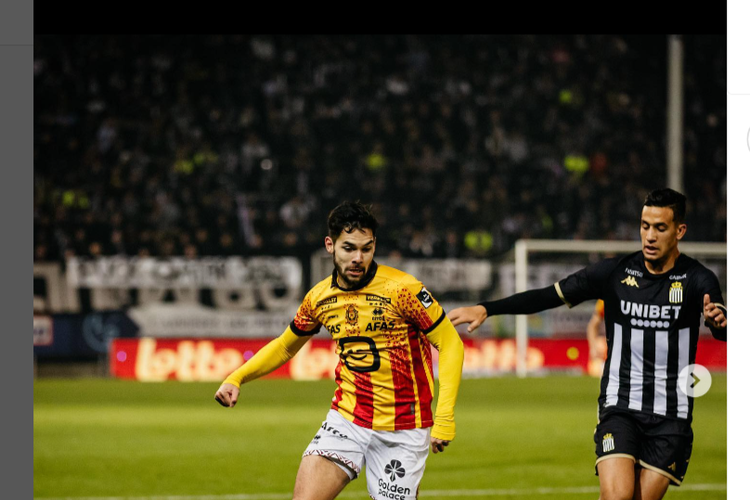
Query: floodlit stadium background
(181, 190)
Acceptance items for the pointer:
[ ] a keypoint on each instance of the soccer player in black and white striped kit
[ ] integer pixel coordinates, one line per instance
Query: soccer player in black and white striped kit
(654, 300)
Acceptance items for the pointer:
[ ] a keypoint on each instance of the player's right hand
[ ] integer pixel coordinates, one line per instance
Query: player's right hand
(438, 445)
(474, 315)
(713, 315)
(227, 395)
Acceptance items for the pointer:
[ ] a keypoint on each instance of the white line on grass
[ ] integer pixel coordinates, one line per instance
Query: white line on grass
(423, 493)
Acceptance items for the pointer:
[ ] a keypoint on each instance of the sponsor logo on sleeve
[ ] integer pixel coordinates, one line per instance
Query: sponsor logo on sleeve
(425, 298)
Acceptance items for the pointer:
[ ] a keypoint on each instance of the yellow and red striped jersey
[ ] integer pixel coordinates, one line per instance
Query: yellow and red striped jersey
(384, 374)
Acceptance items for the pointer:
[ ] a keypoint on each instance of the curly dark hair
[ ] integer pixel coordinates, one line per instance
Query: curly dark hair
(351, 215)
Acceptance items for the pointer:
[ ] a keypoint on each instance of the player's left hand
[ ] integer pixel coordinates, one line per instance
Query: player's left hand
(714, 315)
(438, 445)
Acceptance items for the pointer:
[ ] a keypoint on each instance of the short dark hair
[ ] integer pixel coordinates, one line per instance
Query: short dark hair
(351, 215)
(668, 198)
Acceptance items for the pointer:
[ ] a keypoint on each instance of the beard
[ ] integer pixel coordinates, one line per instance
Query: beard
(343, 278)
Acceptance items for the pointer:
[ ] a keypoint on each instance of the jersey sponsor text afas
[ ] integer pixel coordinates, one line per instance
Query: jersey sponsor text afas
(384, 375)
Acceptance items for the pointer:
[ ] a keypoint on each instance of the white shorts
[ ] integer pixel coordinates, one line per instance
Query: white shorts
(395, 460)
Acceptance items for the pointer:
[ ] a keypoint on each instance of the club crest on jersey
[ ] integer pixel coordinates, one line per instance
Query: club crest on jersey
(675, 293)
(608, 443)
(630, 281)
(351, 314)
(425, 298)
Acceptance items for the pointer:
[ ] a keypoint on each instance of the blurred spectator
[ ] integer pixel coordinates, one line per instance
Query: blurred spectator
(212, 145)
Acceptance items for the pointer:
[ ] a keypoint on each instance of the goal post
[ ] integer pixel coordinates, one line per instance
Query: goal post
(525, 247)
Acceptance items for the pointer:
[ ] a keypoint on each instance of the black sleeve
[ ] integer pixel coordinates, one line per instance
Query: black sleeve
(709, 284)
(530, 302)
(586, 284)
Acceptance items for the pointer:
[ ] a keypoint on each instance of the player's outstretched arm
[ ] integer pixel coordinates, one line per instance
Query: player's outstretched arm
(450, 364)
(530, 302)
(474, 315)
(270, 357)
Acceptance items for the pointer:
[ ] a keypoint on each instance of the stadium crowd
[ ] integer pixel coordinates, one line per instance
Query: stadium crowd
(240, 145)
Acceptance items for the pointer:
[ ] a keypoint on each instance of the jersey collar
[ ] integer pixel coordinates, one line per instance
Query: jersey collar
(368, 278)
(679, 263)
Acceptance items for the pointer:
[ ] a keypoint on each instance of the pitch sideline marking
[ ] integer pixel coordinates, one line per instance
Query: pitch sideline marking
(423, 493)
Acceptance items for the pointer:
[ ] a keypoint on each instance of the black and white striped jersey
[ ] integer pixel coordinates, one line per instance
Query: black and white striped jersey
(652, 323)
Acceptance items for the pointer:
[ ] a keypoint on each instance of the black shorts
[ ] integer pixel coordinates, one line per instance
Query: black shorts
(660, 444)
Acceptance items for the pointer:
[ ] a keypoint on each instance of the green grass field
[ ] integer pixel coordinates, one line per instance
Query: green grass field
(517, 439)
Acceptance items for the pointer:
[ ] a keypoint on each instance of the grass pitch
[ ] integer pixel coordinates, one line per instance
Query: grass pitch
(517, 439)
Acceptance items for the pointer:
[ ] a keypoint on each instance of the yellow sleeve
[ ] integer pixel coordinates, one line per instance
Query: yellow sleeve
(450, 363)
(271, 356)
(417, 304)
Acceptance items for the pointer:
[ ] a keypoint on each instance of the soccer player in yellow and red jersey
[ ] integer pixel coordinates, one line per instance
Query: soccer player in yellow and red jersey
(384, 322)
(597, 343)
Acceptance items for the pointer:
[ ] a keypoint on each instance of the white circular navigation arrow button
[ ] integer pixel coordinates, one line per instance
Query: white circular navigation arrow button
(694, 380)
